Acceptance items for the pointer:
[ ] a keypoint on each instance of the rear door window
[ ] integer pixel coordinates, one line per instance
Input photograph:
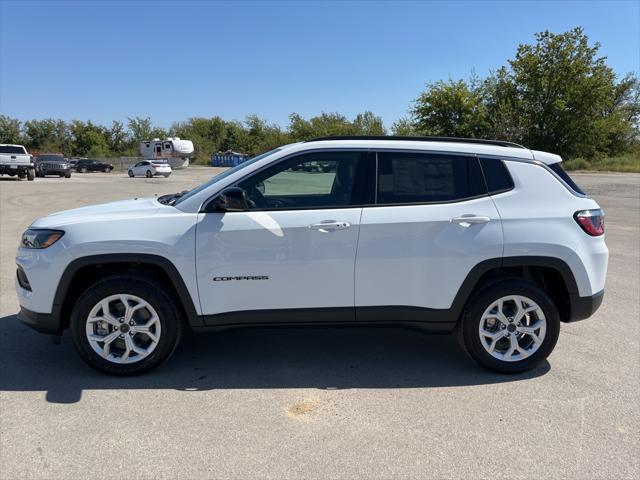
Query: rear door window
(414, 178)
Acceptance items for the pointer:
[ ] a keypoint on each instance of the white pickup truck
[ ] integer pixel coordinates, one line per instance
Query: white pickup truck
(14, 160)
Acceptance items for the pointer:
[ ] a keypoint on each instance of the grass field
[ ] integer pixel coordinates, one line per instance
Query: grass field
(629, 162)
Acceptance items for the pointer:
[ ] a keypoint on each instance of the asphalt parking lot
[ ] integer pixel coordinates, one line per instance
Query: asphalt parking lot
(321, 403)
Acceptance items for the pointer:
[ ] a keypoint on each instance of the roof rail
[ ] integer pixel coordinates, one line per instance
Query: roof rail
(480, 141)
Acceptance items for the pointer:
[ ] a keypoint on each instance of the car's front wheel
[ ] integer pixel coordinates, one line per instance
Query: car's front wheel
(130, 173)
(510, 326)
(125, 325)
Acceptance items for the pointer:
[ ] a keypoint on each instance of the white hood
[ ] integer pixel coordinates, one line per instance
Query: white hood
(136, 208)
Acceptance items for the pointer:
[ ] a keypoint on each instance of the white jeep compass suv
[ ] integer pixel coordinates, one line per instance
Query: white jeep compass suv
(486, 238)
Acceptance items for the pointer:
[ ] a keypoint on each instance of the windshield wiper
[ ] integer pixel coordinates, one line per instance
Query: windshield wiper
(171, 198)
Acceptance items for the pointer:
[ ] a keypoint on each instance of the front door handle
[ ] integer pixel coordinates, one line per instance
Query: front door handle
(329, 226)
(470, 219)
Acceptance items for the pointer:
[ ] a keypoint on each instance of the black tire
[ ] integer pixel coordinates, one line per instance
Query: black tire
(148, 174)
(470, 323)
(67, 175)
(130, 173)
(145, 288)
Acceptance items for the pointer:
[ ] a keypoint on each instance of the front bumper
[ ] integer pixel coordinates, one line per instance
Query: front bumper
(55, 171)
(41, 322)
(583, 307)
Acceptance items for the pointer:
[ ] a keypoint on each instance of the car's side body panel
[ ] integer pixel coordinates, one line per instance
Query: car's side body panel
(537, 219)
(416, 256)
(145, 227)
(273, 260)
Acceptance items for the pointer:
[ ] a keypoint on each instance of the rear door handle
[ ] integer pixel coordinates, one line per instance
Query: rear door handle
(470, 219)
(329, 226)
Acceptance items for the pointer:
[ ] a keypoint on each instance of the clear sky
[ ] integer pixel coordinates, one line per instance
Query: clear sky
(171, 60)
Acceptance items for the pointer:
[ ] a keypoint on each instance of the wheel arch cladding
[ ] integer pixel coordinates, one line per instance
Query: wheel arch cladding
(84, 271)
(552, 274)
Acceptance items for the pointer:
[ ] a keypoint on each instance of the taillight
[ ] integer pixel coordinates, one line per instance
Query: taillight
(591, 221)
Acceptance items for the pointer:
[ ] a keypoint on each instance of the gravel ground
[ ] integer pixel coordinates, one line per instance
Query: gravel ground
(322, 403)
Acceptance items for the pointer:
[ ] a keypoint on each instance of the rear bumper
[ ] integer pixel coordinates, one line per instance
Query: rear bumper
(584, 307)
(12, 169)
(41, 322)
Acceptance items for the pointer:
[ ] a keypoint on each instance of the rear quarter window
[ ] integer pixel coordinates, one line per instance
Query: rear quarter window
(496, 175)
(558, 170)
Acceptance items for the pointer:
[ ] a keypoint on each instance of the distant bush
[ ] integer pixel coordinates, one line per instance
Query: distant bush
(629, 162)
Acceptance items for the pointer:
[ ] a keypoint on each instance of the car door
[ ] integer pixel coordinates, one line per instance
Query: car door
(140, 168)
(290, 256)
(432, 223)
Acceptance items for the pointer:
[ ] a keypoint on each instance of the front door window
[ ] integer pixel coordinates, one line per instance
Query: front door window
(313, 180)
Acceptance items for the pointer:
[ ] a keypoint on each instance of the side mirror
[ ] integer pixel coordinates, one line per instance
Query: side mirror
(232, 199)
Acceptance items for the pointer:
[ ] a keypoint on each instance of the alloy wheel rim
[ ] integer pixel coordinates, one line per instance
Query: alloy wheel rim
(123, 328)
(512, 328)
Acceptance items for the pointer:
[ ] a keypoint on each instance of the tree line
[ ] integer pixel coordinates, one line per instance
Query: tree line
(557, 94)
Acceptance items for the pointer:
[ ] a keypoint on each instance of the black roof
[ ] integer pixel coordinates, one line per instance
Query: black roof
(479, 141)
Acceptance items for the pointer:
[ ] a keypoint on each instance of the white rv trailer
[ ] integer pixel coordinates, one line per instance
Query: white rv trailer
(173, 149)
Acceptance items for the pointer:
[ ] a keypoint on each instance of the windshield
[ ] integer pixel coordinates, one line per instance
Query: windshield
(223, 175)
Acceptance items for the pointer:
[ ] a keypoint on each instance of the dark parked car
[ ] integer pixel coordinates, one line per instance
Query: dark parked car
(52, 165)
(84, 166)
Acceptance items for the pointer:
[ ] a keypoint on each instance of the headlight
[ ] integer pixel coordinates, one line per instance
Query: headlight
(40, 238)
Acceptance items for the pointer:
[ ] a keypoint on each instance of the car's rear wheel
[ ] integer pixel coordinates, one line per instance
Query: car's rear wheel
(67, 175)
(510, 326)
(148, 174)
(125, 325)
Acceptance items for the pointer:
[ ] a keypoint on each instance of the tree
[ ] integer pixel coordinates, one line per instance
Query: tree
(48, 135)
(451, 109)
(368, 124)
(565, 93)
(503, 109)
(89, 139)
(10, 130)
(404, 127)
(323, 125)
(140, 128)
(117, 138)
(556, 95)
